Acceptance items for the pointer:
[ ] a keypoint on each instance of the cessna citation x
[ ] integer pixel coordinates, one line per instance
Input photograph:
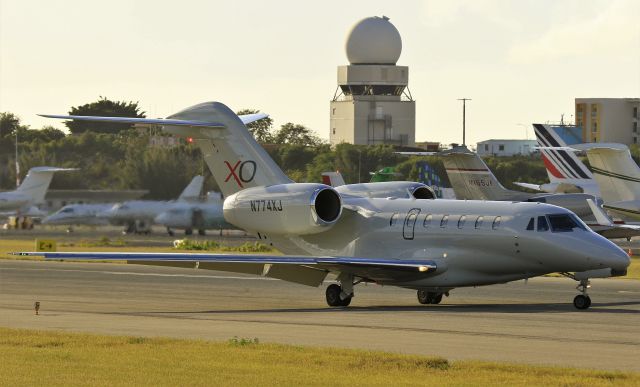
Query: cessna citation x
(432, 246)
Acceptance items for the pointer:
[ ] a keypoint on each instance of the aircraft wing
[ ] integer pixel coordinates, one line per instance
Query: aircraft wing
(285, 267)
(246, 119)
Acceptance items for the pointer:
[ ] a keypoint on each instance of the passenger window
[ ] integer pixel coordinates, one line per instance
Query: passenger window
(479, 221)
(443, 222)
(427, 221)
(531, 224)
(394, 219)
(496, 223)
(542, 224)
(461, 221)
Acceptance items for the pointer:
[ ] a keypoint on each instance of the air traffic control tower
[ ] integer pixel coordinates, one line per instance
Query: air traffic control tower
(372, 104)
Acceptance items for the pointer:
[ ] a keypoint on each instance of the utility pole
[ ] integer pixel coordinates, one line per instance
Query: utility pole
(464, 119)
(17, 163)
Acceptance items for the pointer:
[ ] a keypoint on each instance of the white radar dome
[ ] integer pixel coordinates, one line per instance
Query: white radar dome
(373, 40)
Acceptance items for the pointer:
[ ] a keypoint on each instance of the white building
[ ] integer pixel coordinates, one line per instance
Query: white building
(372, 104)
(609, 119)
(506, 147)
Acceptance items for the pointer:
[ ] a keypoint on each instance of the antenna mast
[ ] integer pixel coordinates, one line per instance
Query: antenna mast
(464, 119)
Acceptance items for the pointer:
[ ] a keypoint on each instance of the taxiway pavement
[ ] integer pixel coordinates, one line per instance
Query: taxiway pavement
(532, 323)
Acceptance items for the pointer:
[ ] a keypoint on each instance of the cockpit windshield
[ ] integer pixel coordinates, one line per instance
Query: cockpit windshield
(564, 222)
(67, 210)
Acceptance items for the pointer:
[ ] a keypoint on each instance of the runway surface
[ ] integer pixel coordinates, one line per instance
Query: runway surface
(531, 323)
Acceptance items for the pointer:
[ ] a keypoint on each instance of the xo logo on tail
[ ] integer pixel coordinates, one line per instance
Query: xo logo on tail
(241, 171)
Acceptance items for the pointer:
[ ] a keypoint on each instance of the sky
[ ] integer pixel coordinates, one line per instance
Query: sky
(519, 61)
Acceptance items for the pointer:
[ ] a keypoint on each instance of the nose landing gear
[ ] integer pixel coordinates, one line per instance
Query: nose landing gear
(582, 301)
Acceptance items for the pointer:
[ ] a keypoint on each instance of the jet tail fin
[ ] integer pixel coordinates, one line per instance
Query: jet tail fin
(470, 177)
(193, 190)
(615, 171)
(37, 181)
(234, 157)
(561, 162)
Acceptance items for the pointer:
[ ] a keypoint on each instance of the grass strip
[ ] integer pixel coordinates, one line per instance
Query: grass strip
(30, 357)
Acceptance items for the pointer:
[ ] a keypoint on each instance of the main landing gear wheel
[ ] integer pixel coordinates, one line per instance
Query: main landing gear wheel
(425, 297)
(333, 296)
(582, 301)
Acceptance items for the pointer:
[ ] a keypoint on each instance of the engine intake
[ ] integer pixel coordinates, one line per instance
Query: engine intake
(327, 204)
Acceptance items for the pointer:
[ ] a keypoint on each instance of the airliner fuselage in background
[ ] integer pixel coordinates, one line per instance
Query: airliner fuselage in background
(429, 245)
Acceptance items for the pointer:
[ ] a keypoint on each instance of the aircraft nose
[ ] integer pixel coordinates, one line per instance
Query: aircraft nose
(610, 255)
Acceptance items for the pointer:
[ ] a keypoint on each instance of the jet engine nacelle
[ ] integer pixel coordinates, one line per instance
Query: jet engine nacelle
(296, 208)
(394, 189)
(574, 202)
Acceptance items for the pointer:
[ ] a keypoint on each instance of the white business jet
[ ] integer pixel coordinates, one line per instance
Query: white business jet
(432, 246)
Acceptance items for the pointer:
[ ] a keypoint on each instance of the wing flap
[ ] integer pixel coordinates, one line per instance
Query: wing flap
(303, 275)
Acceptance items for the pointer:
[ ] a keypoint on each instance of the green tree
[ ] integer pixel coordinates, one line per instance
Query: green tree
(296, 134)
(260, 129)
(103, 107)
(48, 133)
(9, 122)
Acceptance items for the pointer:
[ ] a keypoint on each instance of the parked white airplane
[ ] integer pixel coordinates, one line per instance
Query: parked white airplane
(31, 191)
(200, 216)
(432, 246)
(567, 174)
(78, 214)
(139, 215)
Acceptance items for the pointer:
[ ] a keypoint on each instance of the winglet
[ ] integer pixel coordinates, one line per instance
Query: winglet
(601, 217)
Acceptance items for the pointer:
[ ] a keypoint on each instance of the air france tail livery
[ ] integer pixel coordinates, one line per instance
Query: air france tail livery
(567, 173)
(432, 246)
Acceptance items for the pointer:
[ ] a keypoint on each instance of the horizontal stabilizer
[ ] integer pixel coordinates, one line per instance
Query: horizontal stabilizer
(600, 145)
(534, 187)
(246, 119)
(51, 169)
(132, 120)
